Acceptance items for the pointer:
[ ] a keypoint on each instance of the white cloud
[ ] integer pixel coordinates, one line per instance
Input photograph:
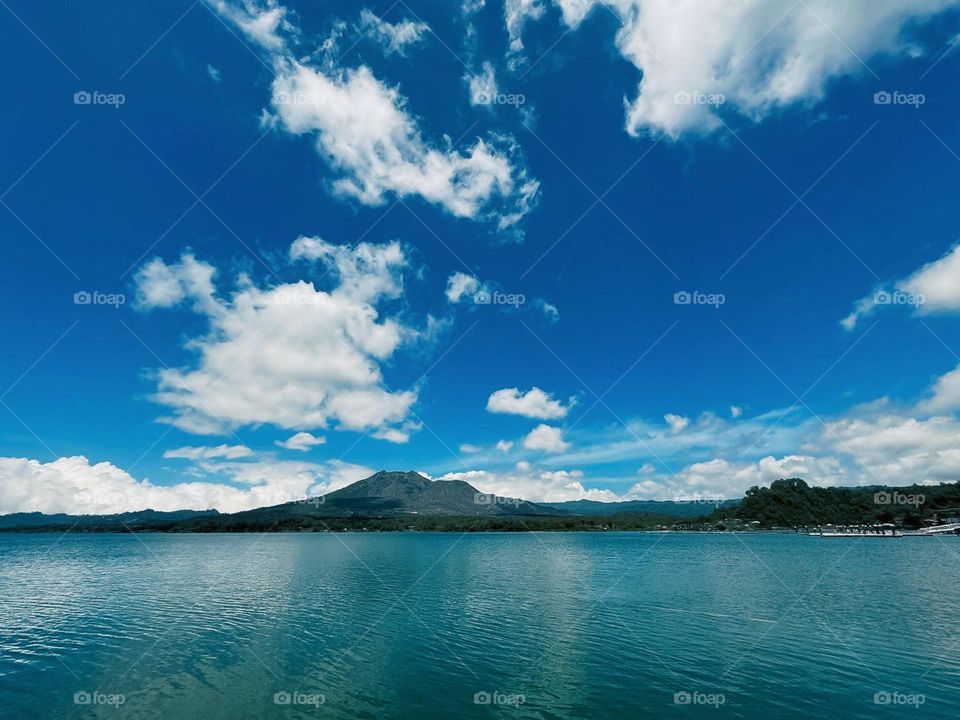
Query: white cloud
(735, 411)
(230, 452)
(362, 127)
(753, 56)
(165, 286)
(938, 283)
(720, 478)
(262, 22)
(676, 422)
(289, 355)
(301, 441)
(73, 485)
(550, 310)
(534, 484)
(461, 285)
(516, 13)
(504, 445)
(468, 448)
(394, 37)
(483, 86)
(545, 438)
(535, 403)
(933, 288)
(213, 73)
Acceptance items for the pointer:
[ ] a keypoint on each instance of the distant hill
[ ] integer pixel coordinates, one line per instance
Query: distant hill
(672, 508)
(794, 503)
(132, 520)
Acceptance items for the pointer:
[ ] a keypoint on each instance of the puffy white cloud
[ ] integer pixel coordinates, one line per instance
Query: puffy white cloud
(164, 286)
(735, 411)
(73, 485)
(291, 355)
(751, 56)
(534, 484)
(461, 286)
(394, 37)
(535, 403)
(230, 452)
(362, 127)
(938, 283)
(301, 441)
(719, 478)
(504, 445)
(545, 438)
(933, 288)
(483, 86)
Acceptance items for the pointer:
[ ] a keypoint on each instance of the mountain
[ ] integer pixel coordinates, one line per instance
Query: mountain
(132, 520)
(386, 494)
(673, 508)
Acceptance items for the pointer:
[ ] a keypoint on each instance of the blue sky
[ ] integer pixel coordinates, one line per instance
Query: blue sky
(289, 219)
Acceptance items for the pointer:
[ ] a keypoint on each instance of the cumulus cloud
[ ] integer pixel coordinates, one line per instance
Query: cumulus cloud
(504, 445)
(720, 478)
(290, 355)
(230, 452)
(535, 403)
(735, 411)
(534, 484)
(698, 60)
(301, 441)
(461, 286)
(934, 288)
(394, 37)
(546, 438)
(362, 127)
(76, 486)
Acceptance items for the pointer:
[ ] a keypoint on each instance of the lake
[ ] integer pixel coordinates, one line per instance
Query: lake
(533, 625)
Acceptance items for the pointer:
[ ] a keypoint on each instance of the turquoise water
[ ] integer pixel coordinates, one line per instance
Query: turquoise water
(410, 625)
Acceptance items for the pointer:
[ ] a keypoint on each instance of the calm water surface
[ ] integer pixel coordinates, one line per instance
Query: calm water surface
(412, 625)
